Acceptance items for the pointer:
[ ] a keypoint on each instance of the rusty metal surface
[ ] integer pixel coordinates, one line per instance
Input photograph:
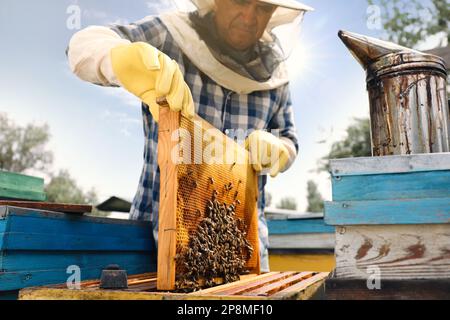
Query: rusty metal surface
(407, 94)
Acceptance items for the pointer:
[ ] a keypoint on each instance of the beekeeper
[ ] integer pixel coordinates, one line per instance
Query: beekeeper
(221, 61)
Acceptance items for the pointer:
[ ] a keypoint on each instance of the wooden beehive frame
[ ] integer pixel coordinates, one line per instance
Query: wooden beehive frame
(169, 122)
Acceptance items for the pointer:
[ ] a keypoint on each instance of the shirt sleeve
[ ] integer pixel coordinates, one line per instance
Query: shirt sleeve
(282, 125)
(89, 49)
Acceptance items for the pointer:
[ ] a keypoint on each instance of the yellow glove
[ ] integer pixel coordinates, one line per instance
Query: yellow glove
(149, 74)
(267, 152)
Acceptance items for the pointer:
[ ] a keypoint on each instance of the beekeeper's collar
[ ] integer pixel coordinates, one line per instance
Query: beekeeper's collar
(180, 27)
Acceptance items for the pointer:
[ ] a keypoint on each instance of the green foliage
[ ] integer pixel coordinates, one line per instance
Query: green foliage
(315, 200)
(23, 148)
(287, 204)
(408, 22)
(62, 188)
(357, 143)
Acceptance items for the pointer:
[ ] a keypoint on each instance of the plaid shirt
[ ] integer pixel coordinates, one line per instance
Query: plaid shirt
(224, 109)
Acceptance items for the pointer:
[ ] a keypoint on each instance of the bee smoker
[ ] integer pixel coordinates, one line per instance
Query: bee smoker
(407, 94)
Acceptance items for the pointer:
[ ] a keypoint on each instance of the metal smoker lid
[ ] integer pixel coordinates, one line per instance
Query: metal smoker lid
(379, 57)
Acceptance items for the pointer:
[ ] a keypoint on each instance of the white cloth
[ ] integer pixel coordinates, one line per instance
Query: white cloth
(89, 55)
(198, 52)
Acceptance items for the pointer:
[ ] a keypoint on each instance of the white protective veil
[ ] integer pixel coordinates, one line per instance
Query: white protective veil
(284, 24)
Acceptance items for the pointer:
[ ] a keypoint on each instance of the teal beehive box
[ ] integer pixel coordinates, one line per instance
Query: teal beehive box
(14, 186)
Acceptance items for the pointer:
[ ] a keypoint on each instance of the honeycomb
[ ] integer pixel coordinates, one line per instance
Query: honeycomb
(232, 182)
(227, 177)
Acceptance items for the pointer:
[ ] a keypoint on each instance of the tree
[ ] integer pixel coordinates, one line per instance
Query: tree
(315, 200)
(357, 143)
(287, 204)
(408, 22)
(62, 188)
(23, 148)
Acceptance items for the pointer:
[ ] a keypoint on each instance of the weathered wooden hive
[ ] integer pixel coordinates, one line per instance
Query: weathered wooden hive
(392, 211)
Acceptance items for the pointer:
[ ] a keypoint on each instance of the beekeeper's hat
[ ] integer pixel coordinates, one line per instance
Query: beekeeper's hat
(287, 10)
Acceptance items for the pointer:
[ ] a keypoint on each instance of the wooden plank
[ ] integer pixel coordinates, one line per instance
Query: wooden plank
(66, 208)
(433, 184)
(283, 227)
(59, 294)
(16, 181)
(90, 291)
(390, 164)
(393, 252)
(244, 280)
(74, 225)
(388, 212)
(302, 261)
(302, 241)
(342, 289)
(253, 285)
(22, 195)
(272, 288)
(44, 260)
(46, 242)
(7, 211)
(23, 279)
(292, 291)
(89, 284)
(167, 234)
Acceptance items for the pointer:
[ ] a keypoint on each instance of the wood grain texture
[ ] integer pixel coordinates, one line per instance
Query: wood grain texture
(300, 226)
(276, 286)
(19, 186)
(167, 234)
(390, 164)
(22, 279)
(399, 252)
(302, 241)
(59, 207)
(415, 185)
(44, 260)
(388, 212)
(303, 285)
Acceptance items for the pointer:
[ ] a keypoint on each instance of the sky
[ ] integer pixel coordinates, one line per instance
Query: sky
(96, 132)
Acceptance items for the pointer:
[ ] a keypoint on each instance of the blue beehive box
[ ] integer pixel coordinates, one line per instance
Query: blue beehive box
(392, 216)
(37, 247)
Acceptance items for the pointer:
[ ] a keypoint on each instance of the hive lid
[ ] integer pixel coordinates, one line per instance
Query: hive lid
(375, 55)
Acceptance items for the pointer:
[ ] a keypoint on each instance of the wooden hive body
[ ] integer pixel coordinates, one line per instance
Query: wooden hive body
(186, 186)
(392, 217)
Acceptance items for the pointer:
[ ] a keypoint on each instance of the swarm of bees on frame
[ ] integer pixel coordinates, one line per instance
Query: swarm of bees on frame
(218, 250)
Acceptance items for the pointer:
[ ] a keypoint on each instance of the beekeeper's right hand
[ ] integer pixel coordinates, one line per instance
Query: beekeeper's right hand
(149, 74)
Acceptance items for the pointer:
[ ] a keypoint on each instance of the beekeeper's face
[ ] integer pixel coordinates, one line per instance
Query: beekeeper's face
(241, 23)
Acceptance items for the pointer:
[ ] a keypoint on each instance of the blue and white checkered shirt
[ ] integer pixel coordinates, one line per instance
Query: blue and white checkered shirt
(224, 109)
